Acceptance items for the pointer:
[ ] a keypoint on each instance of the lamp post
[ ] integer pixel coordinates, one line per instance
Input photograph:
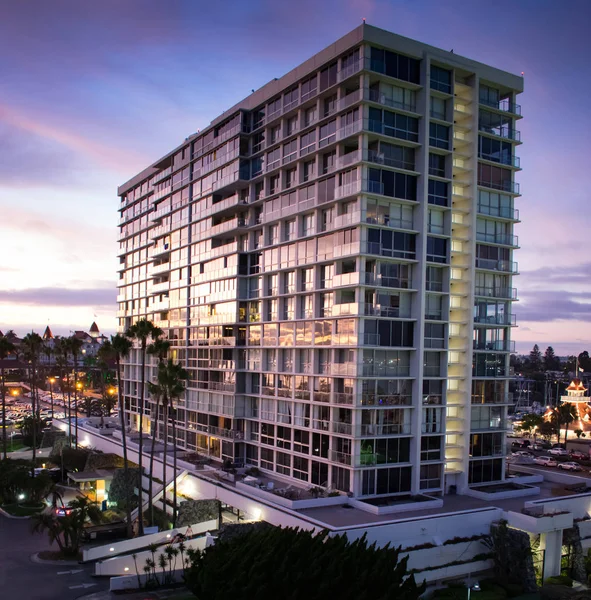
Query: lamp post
(51, 382)
(79, 395)
(472, 588)
(110, 391)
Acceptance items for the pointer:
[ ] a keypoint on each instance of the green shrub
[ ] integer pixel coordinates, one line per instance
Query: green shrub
(559, 580)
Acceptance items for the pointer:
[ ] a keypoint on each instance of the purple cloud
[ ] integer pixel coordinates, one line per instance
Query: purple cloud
(104, 297)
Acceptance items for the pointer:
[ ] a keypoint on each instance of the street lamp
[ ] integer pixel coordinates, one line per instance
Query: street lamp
(51, 382)
(111, 391)
(473, 588)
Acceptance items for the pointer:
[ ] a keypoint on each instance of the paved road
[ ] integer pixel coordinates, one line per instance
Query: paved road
(23, 579)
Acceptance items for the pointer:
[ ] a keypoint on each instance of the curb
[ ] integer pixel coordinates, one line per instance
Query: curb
(9, 516)
(65, 563)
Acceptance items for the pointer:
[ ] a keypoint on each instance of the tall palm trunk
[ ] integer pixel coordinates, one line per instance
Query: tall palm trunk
(165, 456)
(124, 442)
(76, 399)
(152, 451)
(174, 445)
(4, 439)
(34, 412)
(69, 406)
(141, 440)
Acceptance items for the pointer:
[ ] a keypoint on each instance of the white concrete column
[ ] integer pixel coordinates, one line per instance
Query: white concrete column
(551, 543)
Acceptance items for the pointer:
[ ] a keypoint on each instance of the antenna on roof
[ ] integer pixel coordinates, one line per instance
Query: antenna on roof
(363, 20)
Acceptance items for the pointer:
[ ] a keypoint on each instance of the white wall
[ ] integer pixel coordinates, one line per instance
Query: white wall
(123, 565)
(144, 541)
(579, 505)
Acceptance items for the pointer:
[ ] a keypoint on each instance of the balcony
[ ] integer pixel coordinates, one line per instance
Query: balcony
(378, 98)
(500, 319)
(504, 105)
(350, 70)
(493, 399)
(504, 131)
(349, 100)
(341, 428)
(504, 266)
(340, 457)
(488, 424)
(159, 249)
(373, 429)
(390, 282)
(162, 175)
(388, 221)
(158, 288)
(371, 339)
(508, 293)
(347, 190)
(346, 220)
(348, 159)
(385, 400)
(494, 346)
(504, 239)
(502, 212)
(511, 187)
(161, 268)
(386, 370)
(380, 159)
(163, 192)
(508, 160)
(349, 130)
(343, 398)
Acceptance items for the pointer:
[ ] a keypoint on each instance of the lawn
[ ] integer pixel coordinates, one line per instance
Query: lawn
(23, 510)
(16, 445)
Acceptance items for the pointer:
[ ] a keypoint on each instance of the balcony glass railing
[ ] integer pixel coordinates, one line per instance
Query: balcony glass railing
(505, 239)
(503, 131)
(505, 186)
(379, 98)
(381, 159)
(495, 346)
(493, 399)
(385, 400)
(502, 159)
(504, 105)
(503, 212)
(505, 266)
(501, 319)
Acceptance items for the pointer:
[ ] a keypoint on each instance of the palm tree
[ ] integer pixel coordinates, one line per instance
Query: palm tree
(6, 348)
(75, 347)
(33, 344)
(104, 356)
(141, 331)
(62, 353)
(159, 348)
(171, 378)
(121, 347)
(566, 413)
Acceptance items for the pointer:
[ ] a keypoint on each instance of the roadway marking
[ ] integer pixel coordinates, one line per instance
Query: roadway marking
(83, 585)
(72, 572)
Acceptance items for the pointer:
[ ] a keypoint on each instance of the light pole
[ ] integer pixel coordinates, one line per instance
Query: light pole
(110, 391)
(51, 382)
(79, 394)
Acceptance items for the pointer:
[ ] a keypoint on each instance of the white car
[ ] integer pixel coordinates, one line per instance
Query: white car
(545, 461)
(558, 452)
(570, 466)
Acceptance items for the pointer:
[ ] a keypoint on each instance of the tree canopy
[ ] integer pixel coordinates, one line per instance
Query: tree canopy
(271, 563)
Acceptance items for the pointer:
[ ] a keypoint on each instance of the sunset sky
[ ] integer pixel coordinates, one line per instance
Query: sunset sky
(91, 92)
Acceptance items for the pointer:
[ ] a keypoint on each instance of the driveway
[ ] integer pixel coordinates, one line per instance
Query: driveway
(20, 577)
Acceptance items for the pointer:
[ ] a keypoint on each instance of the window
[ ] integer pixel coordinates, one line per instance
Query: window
(438, 108)
(301, 440)
(436, 164)
(267, 458)
(310, 116)
(309, 170)
(273, 235)
(308, 143)
(432, 391)
(434, 335)
(399, 157)
(485, 470)
(433, 307)
(309, 88)
(289, 229)
(436, 249)
(495, 204)
(290, 178)
(496, 124)
(290, 99)
(440, 79)
(274, 184)
(275, 134)
(393, 95)
(396, 185)
(308, 227)
(495, 177)
(283, 462)
(438, 193)
(328, 162)
(300, 468)
(389, 333)
(430, 448)
(290, 151)
(430, 477)
(307, 280)
(395, 244)
(486, 444)
(434, 281)
(439, 136)
(393, 124)
(328, 77)
(436, 222)
(329, 105)
(496, 151)
(327, 133)
(395, 65)
(291, 126)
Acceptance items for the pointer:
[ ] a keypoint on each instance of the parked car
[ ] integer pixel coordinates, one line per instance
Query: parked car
(522, 444)
(558, 452)
(558, 445)
(570, 466)
(523, 453)
(545, 461)
(541, 445)
(577, 455)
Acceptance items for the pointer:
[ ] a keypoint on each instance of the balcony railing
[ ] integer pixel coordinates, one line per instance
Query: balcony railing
(508, 293)
(386, 371)
(495, 346)
(501, 319)
(502, 159)
(388, 221)
(340, 457)
(486, 424)
(378, 98)
(380, 159)
(505, 186)
(505, 266)
(383, 429)
(503, 212)
(493, 399)
(503, 131)
(385, 400)
(504, 105)
(505, 239)
(349, 70)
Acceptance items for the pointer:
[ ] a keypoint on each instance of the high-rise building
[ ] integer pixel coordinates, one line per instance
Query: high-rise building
(332, 260)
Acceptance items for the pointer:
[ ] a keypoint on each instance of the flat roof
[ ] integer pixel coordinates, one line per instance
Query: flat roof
(362, 33)
(83, 476)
